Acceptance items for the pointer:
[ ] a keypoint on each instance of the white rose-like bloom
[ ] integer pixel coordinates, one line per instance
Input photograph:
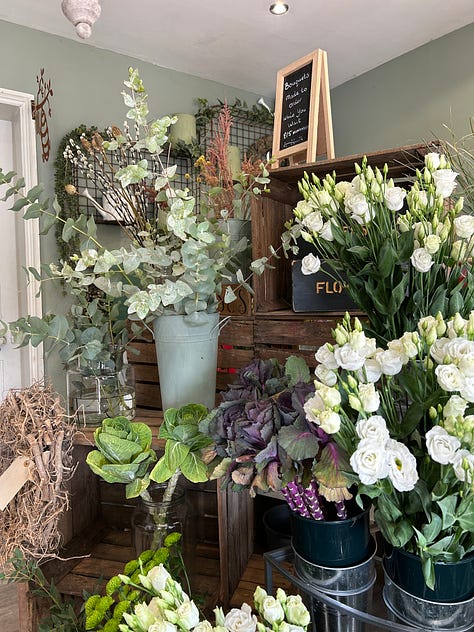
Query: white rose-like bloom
(158, 576)
(463, 466)
(325, 199)
(373, 428)
(369, 397)
(369, 461)
(330, 396)
(359, 341)
(432, 244)
(466, 365)
(325, 356)
(144, 615)
(401, 465)
(343, 187)
(313, 222)
(326, 231)
(391, 362)
(421, 260)
(457, 348)
(410, 341)
(272, 610)
(441, 445)
(296, 611)
(371, 371)
(329, 421)
(449, 377)
(310, 264)
(438, 350)
(445, 181)
(303, 208)
(357, 205)
(203, 626)
(394, 197)
(325, 375)
(241, 619)
(467, 389)
(454, 407)
(166, 626)
(348, 358)
(313, 407)
(398, 347)
(464, 226)
(188, 615)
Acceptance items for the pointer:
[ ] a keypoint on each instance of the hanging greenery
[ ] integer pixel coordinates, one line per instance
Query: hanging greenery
(256, 114)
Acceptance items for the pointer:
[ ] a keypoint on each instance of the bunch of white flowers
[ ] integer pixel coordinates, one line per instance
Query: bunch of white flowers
(171, 610)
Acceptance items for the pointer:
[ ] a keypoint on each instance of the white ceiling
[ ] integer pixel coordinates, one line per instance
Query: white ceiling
(239, 43)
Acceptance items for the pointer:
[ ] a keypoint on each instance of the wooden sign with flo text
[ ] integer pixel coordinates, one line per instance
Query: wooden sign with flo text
(303, 125)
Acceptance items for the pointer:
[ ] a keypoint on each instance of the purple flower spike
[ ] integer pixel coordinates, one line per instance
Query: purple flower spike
(294, 493)
(341, 510)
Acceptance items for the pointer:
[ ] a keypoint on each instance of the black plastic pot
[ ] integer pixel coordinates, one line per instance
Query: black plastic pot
(276, 522)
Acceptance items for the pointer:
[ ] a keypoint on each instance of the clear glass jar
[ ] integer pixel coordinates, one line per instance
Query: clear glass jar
(96, 391)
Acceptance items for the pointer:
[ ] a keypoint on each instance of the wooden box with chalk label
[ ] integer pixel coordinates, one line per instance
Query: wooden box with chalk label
(318, 292)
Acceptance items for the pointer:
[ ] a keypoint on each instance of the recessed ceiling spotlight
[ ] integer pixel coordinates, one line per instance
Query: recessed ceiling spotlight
(278, 8)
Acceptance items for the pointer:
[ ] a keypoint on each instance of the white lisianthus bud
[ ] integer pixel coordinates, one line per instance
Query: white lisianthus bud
(241, 619)
(313, 407)
(459, 250)
(296, 611)
(454, 407)
(188, 615)
(369, 461)
(326, 231)
(402, 466)
(441, 445)
(445, 181)
(258, 597)
(369, 397)
(463, 466)
(272, 610)
(464, 226)
(354, 402)
(373, 428)
(330, 396)
(310, 264)
(394, 197)
(343, 187)
(403, 224)
(432, 244)
(421, 260)
(329, 421)
(158, 576)
(432, 161)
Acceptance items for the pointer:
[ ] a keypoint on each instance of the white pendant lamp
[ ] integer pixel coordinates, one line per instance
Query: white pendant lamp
(83, 14)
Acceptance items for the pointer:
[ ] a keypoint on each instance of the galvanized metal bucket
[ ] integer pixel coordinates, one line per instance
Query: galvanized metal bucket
(351, 585)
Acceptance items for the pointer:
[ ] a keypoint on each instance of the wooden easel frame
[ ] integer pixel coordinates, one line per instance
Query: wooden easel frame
(320, 141)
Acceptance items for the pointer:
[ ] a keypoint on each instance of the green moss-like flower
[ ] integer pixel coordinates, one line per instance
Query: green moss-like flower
(172, 538)
(130, 567)
(113, 585)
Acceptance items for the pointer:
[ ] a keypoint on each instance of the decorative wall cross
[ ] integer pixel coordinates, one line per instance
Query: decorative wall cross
(41, 110)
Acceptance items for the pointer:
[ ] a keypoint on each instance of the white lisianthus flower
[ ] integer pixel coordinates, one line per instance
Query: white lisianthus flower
(432, 244)
(303, 208)
(460, 250)
(463, 466)
(369, 461)
(326, 231)
(329, 421)
(357, 205)
(272, 610)
(296, 611)
(432, 161)
(158, 576)
(166, 626)
(325, 356)
(343, 187)
(313, 222)
(394, 197)
(398, 347)
(325, 199)
(455, 407)
(445, 181)
(438, 350)
(466, 365)
(310, 264)
(188, 615)
(313, 407)
(348, 358)
(458, 348)
(325, 375)
(391, 362)
(371, 371)
(421, 260)
(203, 626)
(449, 377)
(359, 341)
(464, 226)
(373, 428)
(369, 397)
(401, 465)
(241, 619)
(330, 396)
(467, 389)
(410, 341)
(441, 445)
(144, 616)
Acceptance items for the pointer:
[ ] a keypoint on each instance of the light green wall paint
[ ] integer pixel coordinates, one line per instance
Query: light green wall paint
(407, 100)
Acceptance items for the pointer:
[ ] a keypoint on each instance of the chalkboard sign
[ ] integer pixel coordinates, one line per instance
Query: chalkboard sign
(303, 127)
(295, 107)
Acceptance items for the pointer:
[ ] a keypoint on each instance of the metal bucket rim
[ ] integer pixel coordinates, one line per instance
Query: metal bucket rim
(373, 550)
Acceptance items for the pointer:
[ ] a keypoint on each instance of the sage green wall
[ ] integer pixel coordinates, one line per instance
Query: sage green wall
(408, 99)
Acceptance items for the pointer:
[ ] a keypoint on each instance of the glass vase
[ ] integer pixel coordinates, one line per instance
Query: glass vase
(96, 391)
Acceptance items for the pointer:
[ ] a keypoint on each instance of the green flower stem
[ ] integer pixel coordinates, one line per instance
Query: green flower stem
(160, 515)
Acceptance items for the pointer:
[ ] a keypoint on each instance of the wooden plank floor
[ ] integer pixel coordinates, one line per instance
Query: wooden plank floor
(8, 608)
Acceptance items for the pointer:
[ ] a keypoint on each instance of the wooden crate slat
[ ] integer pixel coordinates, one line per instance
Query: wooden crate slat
(97, 567)
(238, 332)
(146, 372)
(315, 331)
(234, 357)
(113, 552)
(148, 395)
(75, 585)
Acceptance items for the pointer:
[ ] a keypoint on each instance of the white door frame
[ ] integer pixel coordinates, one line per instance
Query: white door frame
(16, 107)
